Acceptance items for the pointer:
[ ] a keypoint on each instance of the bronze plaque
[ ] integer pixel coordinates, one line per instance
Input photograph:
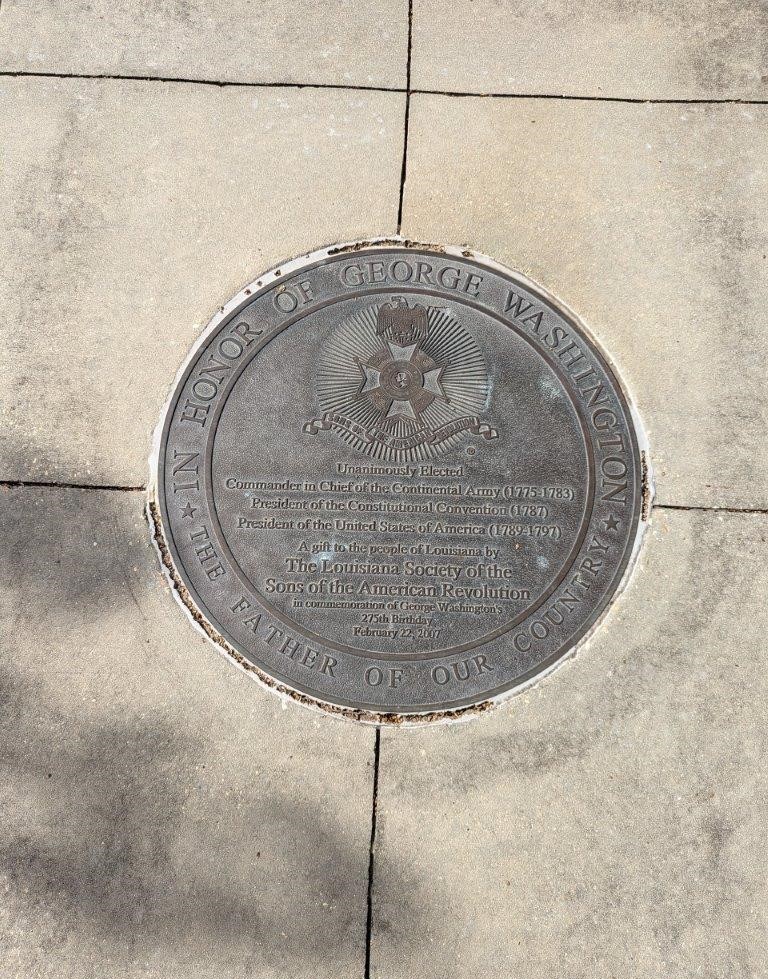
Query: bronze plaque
(398, 480)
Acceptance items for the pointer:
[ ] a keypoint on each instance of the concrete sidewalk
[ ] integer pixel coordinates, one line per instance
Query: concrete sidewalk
(163, 815)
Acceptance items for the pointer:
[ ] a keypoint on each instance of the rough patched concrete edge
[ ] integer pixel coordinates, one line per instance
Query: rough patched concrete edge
(285, 692)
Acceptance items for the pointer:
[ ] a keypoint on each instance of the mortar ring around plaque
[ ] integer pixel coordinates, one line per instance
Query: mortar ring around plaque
(398, 482)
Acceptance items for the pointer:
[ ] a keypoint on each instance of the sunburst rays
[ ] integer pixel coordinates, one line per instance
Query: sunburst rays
(341, 377)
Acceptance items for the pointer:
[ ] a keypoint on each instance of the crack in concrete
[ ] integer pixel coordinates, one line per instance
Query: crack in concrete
(214, 82)
(371, 852)
(685, 508)
(621, 99)
(33, 483)
(396, 89)
(109, 488)
(404, 168)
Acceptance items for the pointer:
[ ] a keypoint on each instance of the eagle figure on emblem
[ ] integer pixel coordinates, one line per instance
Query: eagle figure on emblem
(401, 323)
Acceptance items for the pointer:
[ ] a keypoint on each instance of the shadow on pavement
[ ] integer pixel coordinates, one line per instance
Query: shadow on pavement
(148, 827)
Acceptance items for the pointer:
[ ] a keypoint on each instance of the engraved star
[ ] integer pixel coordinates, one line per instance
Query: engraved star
(611, 523)
(188, 511)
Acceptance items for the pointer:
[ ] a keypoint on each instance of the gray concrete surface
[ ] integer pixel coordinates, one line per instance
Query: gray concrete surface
(129, 211)
(611, 822)
(646, 49)
(643, 219)
(161, 814)
(335, 42)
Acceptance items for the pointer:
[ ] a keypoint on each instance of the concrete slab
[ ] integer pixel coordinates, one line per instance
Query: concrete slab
(643, 219)
(611, 821)
(162, 815)
(128, 210)
(341, 42)
(643, 50)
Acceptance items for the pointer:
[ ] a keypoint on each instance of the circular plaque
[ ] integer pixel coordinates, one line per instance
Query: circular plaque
(397, 480)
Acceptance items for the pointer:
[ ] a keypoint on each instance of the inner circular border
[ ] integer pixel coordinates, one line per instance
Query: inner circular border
(381, 654)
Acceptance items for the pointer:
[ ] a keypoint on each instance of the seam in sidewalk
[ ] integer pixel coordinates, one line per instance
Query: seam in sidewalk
(709, 509)
(39, 483)
(404, 168)
(371, 849)
(629, 100)
(407, 91)
(32, 483)
(210, 82)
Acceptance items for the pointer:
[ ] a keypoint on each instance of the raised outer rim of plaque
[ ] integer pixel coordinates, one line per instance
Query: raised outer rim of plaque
(208, 629)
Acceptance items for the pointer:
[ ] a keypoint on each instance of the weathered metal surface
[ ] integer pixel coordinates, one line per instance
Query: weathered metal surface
(398, 480)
